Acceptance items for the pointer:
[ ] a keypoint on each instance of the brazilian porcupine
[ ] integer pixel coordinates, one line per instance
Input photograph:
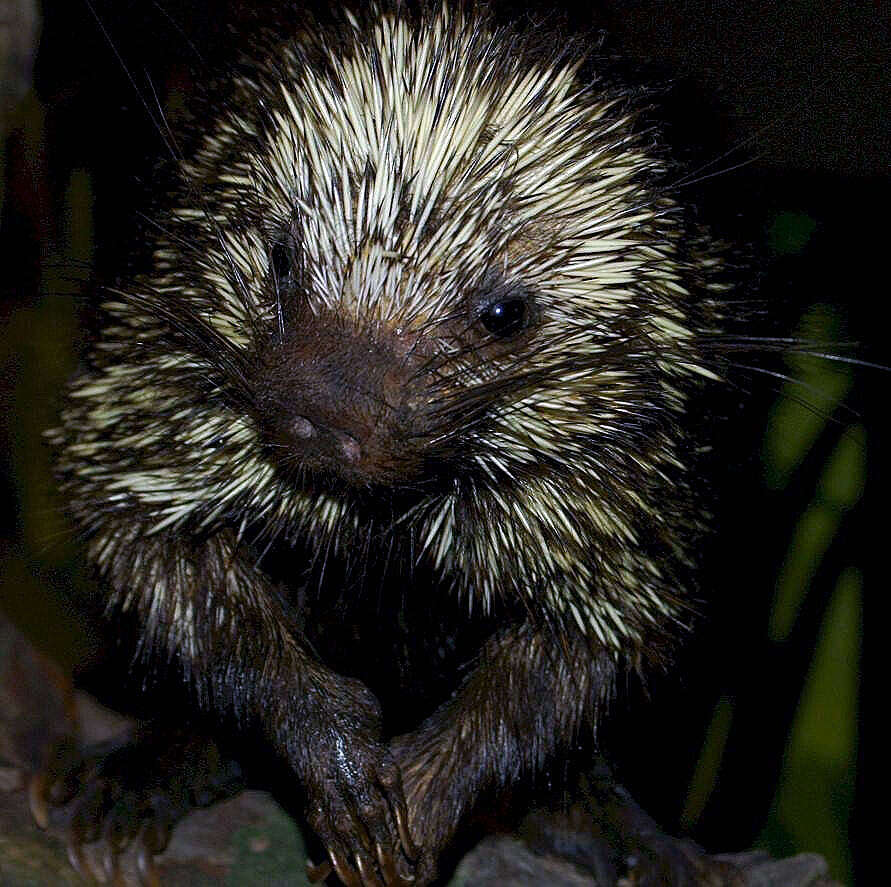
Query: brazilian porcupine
(422, 326)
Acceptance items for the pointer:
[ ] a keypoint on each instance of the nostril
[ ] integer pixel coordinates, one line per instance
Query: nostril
(322, 439)
(303, 428)
(349, 447)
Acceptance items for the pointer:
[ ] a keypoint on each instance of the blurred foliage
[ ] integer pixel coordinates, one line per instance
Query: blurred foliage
(815, 798)
(790, 232)
(51, 260)
(709, 764)
(814, 801)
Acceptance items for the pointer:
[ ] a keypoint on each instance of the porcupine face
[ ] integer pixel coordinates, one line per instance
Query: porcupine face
(448, 268)
(443, 218)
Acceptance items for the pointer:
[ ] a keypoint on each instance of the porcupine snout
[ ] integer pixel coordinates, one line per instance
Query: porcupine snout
(343, 401)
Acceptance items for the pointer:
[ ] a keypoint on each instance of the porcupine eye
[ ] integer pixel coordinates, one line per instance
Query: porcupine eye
(505, 313)
(280, 258)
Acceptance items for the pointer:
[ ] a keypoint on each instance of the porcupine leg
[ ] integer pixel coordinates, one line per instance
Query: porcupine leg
(526, 701)
(135, 787)
(206, 605)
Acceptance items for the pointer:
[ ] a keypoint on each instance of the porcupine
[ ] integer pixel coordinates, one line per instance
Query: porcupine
(420, 334)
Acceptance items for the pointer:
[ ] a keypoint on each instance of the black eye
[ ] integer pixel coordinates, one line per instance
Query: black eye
(505, 316)
(280, 258)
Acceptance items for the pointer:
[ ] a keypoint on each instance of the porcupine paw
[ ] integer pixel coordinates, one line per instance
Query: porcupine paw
(359, 814)
(355, 802)
(659, 859)
(128, 794)
(426, 764)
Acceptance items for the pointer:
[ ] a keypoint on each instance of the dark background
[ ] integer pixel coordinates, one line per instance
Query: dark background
(762, 732)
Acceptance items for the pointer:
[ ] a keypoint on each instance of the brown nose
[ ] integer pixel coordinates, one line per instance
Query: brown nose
(343, 401)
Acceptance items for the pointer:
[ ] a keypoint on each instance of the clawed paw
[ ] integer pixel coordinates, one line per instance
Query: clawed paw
(80, 791)
(361, 818)
(124, 797)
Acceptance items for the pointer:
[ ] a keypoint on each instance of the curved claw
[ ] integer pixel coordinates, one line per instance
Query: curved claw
(345, 872)
(97, 867)
(387, 865)
(319, 872)
(145, 864)
(79, 862)
(390, 781)
(400, 813)
(367, 871)
(37, 799)
(110, 865)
